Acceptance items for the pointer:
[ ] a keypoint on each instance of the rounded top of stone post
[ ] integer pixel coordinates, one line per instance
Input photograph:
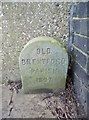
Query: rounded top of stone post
(44, 39)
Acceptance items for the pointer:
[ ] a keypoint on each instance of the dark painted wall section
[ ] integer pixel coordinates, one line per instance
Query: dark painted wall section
(79, 51)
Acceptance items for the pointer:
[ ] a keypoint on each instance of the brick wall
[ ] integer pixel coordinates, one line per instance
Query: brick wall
(79, 51)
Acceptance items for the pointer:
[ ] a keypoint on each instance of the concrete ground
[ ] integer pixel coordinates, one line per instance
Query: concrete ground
(24, 106)
(39, 105)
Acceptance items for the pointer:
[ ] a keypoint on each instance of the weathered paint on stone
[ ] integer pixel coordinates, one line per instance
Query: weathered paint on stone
(43, 64)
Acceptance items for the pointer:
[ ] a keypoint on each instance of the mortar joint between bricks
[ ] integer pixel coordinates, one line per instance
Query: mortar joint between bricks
(80, 50)
(77, 18)
(80, 35)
